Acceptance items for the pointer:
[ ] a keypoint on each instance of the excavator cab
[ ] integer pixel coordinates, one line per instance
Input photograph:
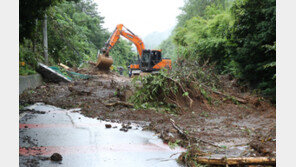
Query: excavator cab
(149, 59)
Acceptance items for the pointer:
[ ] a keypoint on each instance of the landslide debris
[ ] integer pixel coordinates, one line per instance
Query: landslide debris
(206, 108)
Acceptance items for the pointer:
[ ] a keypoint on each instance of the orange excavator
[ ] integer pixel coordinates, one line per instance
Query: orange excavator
(148, 60)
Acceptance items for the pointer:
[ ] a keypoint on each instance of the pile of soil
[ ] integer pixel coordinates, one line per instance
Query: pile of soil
(225, 124)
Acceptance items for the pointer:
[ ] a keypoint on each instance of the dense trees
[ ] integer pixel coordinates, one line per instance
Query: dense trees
(237, 37)
(193, 8)
(30, 11)
(206, 39)
(254, 36)
(75, 34)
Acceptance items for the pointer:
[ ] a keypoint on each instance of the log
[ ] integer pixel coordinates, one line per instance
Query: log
(243, 101)
(237, 161)
(236, 98)
(64, 66)
(179, 129)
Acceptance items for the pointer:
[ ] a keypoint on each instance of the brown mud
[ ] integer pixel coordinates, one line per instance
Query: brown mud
(226, 129)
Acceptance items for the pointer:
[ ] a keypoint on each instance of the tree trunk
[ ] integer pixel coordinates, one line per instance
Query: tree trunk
(237, 161)
(45, 44)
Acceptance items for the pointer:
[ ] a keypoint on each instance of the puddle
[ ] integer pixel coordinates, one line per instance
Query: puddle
(84, 141)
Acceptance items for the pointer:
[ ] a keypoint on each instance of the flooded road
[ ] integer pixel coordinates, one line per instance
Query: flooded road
(83, 141)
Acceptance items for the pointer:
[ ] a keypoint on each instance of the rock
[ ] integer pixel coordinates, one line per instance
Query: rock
(128, 126)
(56, 157)
(123, 129)
(108, 125)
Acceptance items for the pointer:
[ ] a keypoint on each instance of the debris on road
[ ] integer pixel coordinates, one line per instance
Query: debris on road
(56, 157)
(51, 75)
(123, 129)
(108, 126)
(56, 74)
(219, 127)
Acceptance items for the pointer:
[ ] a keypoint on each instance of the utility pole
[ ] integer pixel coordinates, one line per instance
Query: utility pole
(45, 44)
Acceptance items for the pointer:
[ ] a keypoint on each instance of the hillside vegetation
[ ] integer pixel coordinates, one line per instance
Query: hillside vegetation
(75, 35)
(236, 37)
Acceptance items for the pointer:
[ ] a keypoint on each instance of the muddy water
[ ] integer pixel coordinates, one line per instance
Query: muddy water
(84, 141)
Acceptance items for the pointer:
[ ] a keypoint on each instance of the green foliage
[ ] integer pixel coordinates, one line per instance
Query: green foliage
(194, 8)
(175, 144)
(30, 12)
(75, 35)
(75, 32)
(152, 92)
(168, 89)
(238, 38)
(205, 40)
(28, 58)
(254, 36)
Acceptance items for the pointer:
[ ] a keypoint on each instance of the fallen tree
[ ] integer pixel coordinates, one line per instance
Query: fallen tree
(236, 161)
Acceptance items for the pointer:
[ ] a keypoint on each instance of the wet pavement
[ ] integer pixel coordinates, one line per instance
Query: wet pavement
(83, 141)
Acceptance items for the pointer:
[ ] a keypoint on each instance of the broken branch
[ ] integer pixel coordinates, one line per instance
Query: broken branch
(190, 100)
(188, 137)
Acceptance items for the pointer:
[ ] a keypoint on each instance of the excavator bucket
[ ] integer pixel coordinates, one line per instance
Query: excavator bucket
(104, 62)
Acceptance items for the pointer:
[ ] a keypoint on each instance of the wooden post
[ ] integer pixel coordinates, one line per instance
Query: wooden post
(45, 44)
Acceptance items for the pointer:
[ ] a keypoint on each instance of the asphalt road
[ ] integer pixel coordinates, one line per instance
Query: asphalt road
(83, 141)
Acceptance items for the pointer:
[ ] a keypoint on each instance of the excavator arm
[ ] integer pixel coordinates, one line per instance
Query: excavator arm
(104, 61)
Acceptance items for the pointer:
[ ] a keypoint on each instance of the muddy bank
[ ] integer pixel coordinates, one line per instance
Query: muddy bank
(222, 130)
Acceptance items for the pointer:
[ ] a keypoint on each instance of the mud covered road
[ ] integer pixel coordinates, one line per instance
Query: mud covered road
(83, 141)
(229, 130)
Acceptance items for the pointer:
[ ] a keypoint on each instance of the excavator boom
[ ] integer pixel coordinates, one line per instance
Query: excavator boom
(104, 61)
